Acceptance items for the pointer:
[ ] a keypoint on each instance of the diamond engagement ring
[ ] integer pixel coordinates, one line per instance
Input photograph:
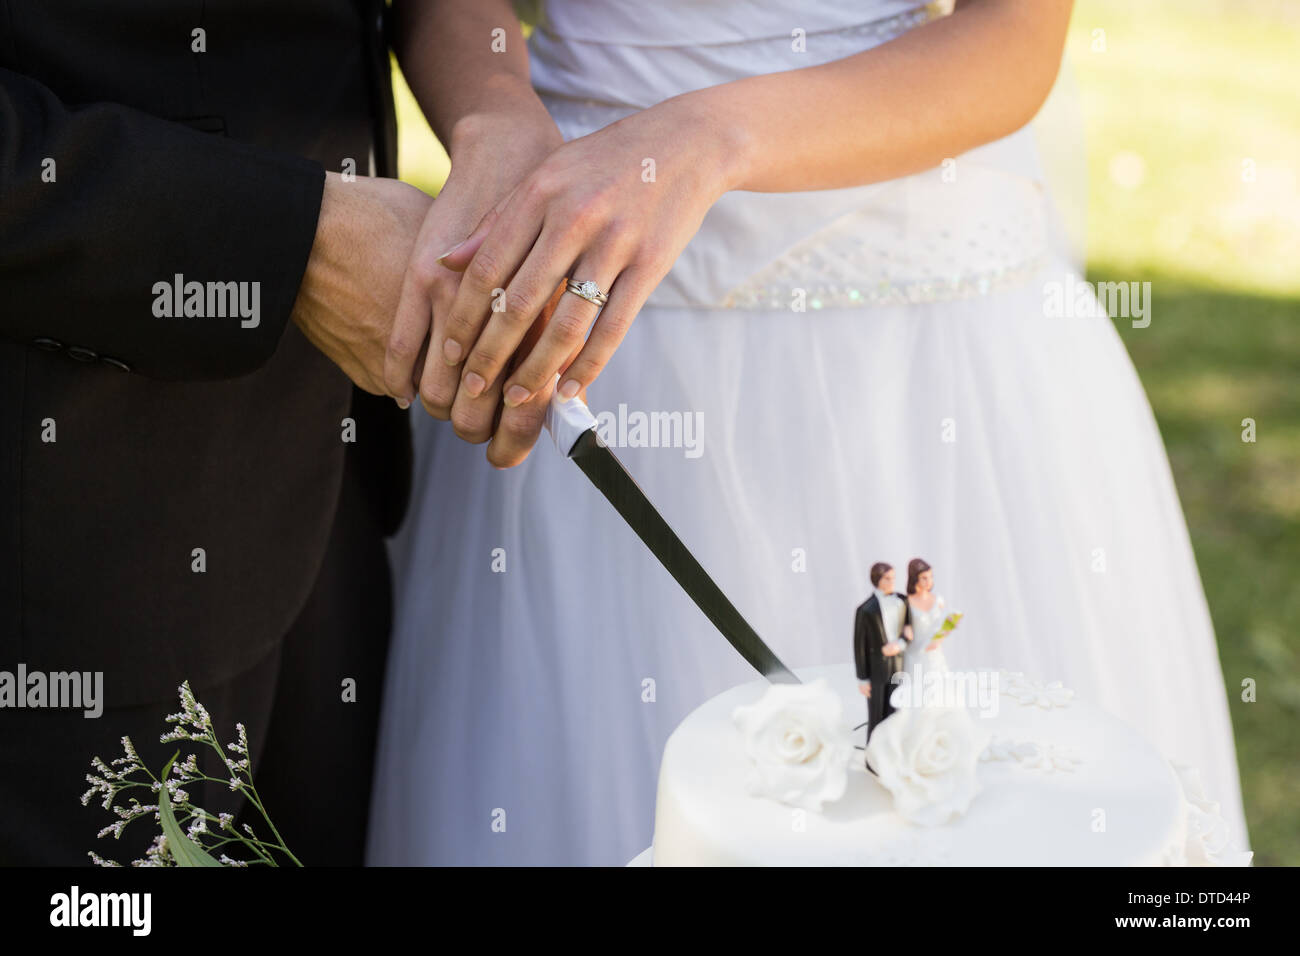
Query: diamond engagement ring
(587, 290)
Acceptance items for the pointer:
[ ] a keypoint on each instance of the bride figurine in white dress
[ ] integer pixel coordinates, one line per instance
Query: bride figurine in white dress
(928, 612)
(831, 225)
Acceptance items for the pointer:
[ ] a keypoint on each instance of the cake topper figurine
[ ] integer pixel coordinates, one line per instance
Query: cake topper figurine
(882, 628)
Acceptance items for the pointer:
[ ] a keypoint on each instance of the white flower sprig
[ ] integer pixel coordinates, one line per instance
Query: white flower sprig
(204, 832)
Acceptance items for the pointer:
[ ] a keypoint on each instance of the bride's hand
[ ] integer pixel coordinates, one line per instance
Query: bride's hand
(491, 154)
(615, 207)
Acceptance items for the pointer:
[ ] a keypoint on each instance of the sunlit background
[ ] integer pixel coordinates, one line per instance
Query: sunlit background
(1192, 117)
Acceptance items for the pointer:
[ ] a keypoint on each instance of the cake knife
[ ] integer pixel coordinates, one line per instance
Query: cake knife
(573, 429)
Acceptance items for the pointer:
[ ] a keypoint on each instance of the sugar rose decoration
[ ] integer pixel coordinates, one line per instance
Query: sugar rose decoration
(927, 758)
(799, 742)
(1208, 843)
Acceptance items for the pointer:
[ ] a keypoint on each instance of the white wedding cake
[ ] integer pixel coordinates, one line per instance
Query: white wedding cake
(981, 768)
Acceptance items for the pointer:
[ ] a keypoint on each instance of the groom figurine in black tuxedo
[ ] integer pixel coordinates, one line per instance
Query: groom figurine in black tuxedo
(881, 626)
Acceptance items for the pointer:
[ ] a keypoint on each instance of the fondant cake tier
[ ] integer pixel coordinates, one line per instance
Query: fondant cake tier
(1055, 782)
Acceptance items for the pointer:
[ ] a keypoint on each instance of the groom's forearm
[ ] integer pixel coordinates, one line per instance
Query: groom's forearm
(466, 60)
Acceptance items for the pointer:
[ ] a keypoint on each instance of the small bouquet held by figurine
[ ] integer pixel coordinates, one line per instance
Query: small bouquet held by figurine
(947, 627)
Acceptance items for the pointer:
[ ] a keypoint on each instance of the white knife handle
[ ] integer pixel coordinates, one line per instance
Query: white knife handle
(566, 421)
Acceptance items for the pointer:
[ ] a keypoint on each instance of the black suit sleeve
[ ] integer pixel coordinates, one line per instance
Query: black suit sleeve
(861, 653)
(134, 201)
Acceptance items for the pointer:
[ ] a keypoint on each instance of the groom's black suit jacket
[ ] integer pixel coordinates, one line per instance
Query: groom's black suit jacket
(127, 440)
(869, 639)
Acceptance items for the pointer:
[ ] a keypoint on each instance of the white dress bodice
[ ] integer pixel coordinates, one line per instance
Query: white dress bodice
(707, 22)
(970, 228)
(925, 624)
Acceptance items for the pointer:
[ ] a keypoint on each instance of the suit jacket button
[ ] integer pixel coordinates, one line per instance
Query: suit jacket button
(82, 354)
(116, 363)
(50, 345)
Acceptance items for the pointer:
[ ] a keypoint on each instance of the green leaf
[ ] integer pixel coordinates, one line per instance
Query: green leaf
(184, 850)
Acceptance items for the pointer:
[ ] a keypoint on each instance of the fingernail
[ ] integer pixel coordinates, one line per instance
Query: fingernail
(451, 351)
(474, 384)
(516, 395)
(452, 249)
(403, 403)
(569, 388)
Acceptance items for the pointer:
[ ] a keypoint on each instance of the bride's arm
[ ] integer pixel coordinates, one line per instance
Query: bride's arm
(590, 212)
(904, 106)
(467, 65)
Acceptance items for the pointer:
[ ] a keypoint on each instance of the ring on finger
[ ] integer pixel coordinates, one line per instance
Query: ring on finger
(586, 289)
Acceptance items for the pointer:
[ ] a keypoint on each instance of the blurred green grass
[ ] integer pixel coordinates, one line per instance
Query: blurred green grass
(421, 160)
(1186, 100)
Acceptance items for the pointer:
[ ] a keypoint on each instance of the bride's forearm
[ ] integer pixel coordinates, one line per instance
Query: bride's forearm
(467, 65)
(943, 88)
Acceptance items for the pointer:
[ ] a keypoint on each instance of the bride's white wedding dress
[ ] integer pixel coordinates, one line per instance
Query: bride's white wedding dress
(800, 344)
(917, 656)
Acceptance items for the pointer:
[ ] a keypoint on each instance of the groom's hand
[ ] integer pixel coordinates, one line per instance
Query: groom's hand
(349, 293)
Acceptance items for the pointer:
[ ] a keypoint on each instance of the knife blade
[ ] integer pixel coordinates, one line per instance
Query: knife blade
(573, 429)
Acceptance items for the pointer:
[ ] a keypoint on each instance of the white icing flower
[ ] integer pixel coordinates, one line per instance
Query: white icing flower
(927, 758)
(1047, 757)
(1026, 690)
(800, 744)
(1051, 758)
(1004, 748)
(1208, 843)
